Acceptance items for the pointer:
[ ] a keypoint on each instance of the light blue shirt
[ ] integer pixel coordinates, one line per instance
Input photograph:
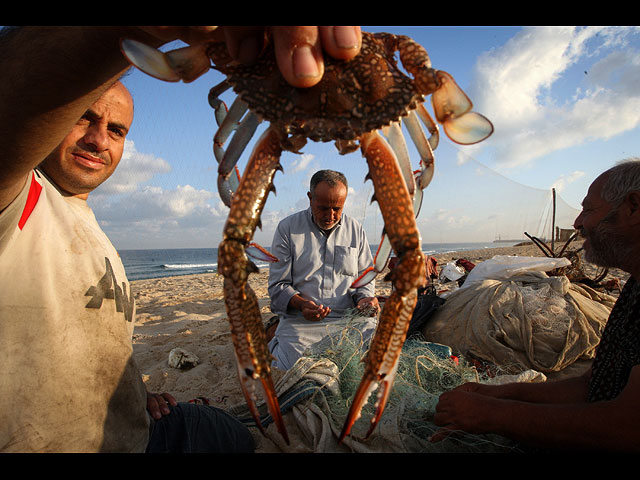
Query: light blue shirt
(320, 267)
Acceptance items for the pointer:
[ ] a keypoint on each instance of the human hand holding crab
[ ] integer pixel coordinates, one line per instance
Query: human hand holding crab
(299, 50)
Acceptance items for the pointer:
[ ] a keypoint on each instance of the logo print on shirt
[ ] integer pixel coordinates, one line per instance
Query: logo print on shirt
(108, 288)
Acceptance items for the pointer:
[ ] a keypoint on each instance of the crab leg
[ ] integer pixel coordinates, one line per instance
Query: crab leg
(218, 105)
(401, 229)
(227, 173)
(229, 183)
(229, 177)
(416, 181)
(186, 63)
(239, 142)
(247, 331)
(423, 115)
(393, 133)
(452, 109)
(451, 105)
(394, 136)
(425, 149)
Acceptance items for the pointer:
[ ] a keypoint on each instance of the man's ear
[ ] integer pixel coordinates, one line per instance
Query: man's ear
(309, 195)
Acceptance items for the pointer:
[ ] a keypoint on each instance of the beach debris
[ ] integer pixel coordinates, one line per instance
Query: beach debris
(358, 104)
(451, 272)
(182, 359)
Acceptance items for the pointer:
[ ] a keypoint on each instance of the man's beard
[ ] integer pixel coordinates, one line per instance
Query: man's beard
(607, 248)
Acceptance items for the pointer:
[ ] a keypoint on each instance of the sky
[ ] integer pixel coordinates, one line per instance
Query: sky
(564, 101)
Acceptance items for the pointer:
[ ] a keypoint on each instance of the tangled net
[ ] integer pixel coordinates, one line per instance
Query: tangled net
(425, 371)
(547, 309)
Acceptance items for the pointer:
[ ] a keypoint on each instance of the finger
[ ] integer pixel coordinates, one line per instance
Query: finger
(341, 42)
(160, 404)
(170, 398)
(200, 34)
(244, 43)
(153, 406)
(299, 54)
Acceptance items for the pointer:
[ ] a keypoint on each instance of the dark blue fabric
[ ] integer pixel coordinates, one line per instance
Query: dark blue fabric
(193, 428)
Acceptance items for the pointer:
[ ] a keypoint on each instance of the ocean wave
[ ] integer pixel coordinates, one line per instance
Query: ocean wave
(190, 265)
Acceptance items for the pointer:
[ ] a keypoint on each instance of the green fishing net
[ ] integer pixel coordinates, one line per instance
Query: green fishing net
(425, 371)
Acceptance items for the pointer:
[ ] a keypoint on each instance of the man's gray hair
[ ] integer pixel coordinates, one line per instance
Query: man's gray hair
(332, 177)
(622, 179)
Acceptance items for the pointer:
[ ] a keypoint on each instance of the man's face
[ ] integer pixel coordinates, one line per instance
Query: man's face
(327, 203)
(605, 242)
(90, 153)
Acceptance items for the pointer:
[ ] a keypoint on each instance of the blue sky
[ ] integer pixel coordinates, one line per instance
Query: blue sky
(565, 103)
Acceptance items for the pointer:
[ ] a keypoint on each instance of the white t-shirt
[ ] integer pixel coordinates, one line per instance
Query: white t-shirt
(68, 381)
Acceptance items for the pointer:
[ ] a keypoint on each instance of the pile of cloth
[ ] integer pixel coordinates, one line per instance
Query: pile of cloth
(510, 313)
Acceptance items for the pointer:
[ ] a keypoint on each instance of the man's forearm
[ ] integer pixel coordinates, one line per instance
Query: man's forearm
(598, 426)
(296, 302)
(571, 390)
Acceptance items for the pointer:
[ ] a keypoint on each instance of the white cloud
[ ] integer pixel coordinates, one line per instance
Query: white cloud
(565, 180)
(134, 168)
(516, 88)
(156, 203)
(301, 163)
(136, 215)
(152, 217)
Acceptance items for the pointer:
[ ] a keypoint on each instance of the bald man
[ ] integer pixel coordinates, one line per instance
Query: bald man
(69, 380)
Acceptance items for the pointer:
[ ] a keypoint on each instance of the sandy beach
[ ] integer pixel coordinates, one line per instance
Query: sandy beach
(188, 312)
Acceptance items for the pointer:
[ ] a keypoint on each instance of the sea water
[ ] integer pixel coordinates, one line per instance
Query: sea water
(157, 263)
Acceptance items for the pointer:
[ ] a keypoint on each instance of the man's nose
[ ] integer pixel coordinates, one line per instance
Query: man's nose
(97, 137)
(577, 223)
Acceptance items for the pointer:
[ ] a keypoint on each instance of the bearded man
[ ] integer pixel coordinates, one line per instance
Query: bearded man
(598, 410)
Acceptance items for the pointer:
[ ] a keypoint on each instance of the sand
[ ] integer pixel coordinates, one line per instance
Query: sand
(188, 312)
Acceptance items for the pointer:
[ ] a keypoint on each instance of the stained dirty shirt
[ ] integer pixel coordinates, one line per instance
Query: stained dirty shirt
(68, 382)
(320, 267)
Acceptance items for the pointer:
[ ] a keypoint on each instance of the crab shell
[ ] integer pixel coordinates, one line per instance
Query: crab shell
(353, 97)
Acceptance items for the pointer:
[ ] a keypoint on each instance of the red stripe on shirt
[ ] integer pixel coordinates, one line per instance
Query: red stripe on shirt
(32, 199)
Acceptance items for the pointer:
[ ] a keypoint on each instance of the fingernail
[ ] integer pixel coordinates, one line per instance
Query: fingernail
(304, 63)
(345, 37)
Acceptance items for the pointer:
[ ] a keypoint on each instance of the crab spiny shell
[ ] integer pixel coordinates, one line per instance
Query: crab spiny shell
(354, 97)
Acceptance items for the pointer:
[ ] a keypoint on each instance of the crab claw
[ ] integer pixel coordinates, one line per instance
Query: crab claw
(379, 263)
(452, 108)
(367, 387)
(383, 375)
(367, 276)
(260, 253)
(184, 64)
(248, 383)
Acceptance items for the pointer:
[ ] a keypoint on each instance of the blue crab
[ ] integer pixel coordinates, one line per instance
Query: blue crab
(356, 103)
